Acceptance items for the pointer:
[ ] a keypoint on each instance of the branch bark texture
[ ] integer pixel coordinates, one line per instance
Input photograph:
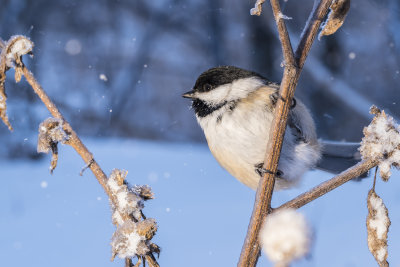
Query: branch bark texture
(74, 140)
(329, 185)
(293, 66)
(81, 149)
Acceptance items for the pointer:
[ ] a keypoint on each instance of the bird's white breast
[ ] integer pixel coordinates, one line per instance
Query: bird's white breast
(238, 139)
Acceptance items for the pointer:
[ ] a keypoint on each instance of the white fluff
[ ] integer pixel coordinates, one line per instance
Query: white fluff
(126, 240)
(285, 236)
(232, 91)
(128, 202)
(382, 141)
(380, 221)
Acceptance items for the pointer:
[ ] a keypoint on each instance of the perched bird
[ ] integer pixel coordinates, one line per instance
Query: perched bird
(235, 108)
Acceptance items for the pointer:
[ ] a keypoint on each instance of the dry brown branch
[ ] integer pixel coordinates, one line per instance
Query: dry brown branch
(151, 260)
(128, 263)
(257, 8)
(11, 56)
(262, 205)
(329, 185)
(74, 140)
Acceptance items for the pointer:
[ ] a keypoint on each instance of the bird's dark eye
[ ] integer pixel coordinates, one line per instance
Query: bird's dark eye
(207, 87)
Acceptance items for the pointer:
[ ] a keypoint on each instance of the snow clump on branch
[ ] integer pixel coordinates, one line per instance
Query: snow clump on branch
(16, 47)
(134, 231)
(129, 202)
(382, 141)
(378, 223)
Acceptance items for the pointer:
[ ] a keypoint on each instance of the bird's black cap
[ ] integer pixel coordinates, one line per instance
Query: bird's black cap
(217, 76)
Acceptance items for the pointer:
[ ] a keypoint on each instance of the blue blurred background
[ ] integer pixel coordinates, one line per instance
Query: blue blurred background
(116, 69)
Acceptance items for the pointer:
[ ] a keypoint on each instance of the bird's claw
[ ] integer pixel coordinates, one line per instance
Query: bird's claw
(260, 170)
(275, 96)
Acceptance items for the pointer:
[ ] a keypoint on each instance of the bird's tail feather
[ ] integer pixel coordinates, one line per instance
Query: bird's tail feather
(338, 156)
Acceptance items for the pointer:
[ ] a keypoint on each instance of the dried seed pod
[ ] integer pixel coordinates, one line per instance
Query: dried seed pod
(336, 17)
(144, 191)
(378, 223)
(147, 228)
(51, 132)
(16, 47)
(257, 8)
(128, 201)
(125, 242)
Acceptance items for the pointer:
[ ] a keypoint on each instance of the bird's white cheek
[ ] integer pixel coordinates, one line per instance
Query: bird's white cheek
(216, 95)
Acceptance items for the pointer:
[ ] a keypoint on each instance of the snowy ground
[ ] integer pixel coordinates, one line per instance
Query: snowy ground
(202, 212)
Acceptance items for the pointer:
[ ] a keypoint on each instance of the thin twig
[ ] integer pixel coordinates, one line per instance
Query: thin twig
(81, 149)
(128, 262)
(313, 24)
(325, 187)
(373, 185)
(73, 140)
(152, 261)
(283, 33)
(262, 205)
(11, 57)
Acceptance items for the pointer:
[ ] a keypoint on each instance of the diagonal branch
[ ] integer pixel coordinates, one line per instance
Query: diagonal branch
(310, 31)
(81, 149)
(283, 33)
(262, 205)
(74, 140)
(331, 184)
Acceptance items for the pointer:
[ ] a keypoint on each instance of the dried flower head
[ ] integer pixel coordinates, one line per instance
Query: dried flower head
(126, 242)
(16, 47)
(144, 191)
(147, 228)
(128, 202)
(11, 52)
(378, 223)
(382, 141)
(51, 132)
(134, 232)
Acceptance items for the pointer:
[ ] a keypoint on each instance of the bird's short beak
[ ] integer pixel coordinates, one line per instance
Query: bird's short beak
(189, 94)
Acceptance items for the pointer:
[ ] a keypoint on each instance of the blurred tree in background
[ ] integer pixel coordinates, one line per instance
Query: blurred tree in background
(118, 68)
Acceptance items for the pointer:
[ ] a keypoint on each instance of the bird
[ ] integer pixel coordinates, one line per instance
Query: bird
(235, 109)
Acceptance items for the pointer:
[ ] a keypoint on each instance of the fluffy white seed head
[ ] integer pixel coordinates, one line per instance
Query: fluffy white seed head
(285, 236)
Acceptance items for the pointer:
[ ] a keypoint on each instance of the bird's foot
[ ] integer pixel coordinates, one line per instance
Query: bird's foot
(275, 96)
(261, 170)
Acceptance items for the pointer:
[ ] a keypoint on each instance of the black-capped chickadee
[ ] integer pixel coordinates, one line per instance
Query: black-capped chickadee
(235, 108)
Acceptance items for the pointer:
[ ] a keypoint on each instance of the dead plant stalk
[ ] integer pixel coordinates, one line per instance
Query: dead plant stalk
(75, 142)
(293, 66)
